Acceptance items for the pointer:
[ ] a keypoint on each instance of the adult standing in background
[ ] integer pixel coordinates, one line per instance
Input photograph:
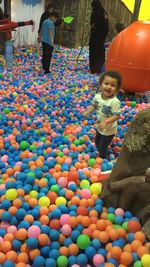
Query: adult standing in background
(99, 30)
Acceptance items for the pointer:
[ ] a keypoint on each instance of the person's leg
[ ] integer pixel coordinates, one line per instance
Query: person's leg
(44, 55)
(97, 139)
(47, 55)
(104, 143)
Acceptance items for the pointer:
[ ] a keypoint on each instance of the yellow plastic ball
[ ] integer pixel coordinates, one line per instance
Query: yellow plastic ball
(11, 194)
(84, 184)
(145, 260)
(44, 201)
(33, 193)
(96, 188)
(60, 201)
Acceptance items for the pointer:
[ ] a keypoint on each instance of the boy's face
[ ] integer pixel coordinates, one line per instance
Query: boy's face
(109, 86)
(53, 18)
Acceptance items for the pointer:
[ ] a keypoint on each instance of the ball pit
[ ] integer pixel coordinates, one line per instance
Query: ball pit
(51, 213)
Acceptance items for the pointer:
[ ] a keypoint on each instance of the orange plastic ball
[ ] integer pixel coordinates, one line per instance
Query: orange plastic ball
(126, 258)
(129, 54)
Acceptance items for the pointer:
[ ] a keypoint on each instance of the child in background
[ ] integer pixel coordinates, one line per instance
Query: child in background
(108, 110)
(48, 35)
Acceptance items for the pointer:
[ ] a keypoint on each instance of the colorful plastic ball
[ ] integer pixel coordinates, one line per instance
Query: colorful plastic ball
(39, 261)
(133, 65)
(62, 181)
(98, 259)
(119, 212)
(138, 264)
(6, 110)
(64, 219)
(91, 162)
(62, 261)
(134, 226)
(145, 260)
(83, 241)
(34, 231)
(82, 259)
(32, 243)
(60, 201)
(66, 230)
(85, 193)
(84, 184)
(50, 262)
(96, 188)
(11, 194)
(9, 263)
(24, 145)
(44, 201)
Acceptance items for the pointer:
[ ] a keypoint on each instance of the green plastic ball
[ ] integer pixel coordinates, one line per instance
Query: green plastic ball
(24, 145)
(76, 142)
(62, 261)
(111, 217)
(54, 188)
(60, 154)
(6, 110)
(32, 147)
(83, 241)
(133, 104)
(91, 162)
(137, 264)
(81, 141)
(125, 226)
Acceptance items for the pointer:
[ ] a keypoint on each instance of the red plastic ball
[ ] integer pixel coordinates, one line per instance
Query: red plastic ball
(129, 54)
(134, 226)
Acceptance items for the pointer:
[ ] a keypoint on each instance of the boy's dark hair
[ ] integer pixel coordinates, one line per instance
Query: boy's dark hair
(112, 74)
(53, 14)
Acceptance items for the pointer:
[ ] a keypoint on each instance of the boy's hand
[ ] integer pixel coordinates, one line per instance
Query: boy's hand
(102, 125)
(85, 114)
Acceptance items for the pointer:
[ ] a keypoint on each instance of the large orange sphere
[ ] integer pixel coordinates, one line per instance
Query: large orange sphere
(129, 54)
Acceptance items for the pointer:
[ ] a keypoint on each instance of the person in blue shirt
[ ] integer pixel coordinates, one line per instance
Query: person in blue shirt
(48, 34)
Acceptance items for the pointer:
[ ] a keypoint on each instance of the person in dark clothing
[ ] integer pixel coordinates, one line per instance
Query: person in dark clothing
(99, 30)
(45, 16)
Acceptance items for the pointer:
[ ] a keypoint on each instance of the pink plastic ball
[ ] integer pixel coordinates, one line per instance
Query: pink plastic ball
(97, 172)
(64, 219)
(54, 134)
(85, 193)
(12, 229)
(98, 259)
(86, 157)
(68, 160)
(66, 229)
(34, 231)
(65, 151)
(2, 186)
(62, 181)
(119, 211)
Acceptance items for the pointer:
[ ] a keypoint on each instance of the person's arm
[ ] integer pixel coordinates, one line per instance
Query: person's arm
(51, 37)
(115, 116)
(108, 121)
